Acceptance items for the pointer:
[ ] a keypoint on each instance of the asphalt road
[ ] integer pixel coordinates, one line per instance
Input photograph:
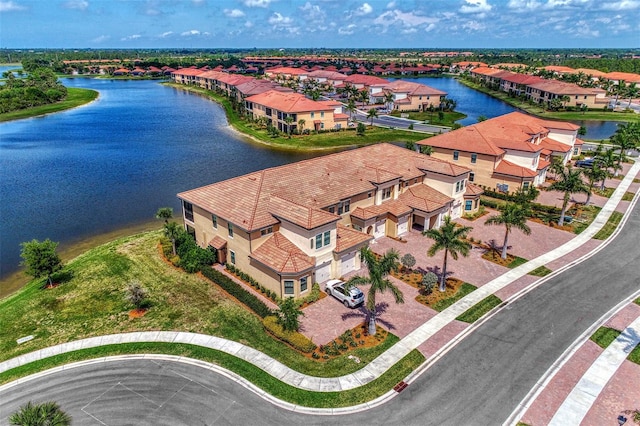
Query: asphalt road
(479, 382)
(400, 123)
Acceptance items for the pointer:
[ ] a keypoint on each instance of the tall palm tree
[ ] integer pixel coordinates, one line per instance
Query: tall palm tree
(627, 136)
(289, 120)
(607, 161)
(594, 174)
(172, 230)
(450, 237)
(511, 215)
(372, 113)
(388, 100)
(45, 414)
(378, 270)
(351, 107)
(570, 182)
(631, 91)
(301, 124)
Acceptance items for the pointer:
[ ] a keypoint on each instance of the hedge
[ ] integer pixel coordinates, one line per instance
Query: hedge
(293, 338)
(236, 290)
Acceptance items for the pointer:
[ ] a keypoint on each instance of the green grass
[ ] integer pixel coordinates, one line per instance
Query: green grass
(610, 226)
(327, 140)
(597, 114)
(541, 271)
(92, 302)
(478, 310)
(628, 196)
(464, 289)
(604, 336)
(604, 192)
(258, 377)
(634, 356)
(75, 97)
(517, 262)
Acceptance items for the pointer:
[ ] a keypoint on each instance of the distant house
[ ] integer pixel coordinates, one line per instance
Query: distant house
(122, 71)
(409, 96)
(544, 92)
(303, 223)
(507, 152)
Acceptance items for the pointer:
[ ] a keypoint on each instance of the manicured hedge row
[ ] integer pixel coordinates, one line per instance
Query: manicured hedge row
(236, 290)
(293, 338)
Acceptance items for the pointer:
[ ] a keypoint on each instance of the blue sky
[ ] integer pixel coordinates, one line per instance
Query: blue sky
(319, 23)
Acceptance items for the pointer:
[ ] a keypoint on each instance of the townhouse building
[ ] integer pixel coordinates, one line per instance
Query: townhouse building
(409, 96)
(305, 222)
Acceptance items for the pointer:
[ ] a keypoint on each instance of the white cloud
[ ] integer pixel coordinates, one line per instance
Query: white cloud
(524, 5)
(9, 6)
(248, 24)
(391, 5)
(409, 31)
(234, 13)
(475, 6)
(76, 4)
(101, 39)
(278, 20)
(365, 9)
(166, 34)
(313, 11)
(257, 3)
(190, 33)
(581, 29)
(131, 37)
(620, 5)
(348, 30)
(473, 26)
(406, 19)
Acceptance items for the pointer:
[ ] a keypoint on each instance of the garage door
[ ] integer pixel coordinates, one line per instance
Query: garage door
(348, 263)
(403, 223)
(379, 229)
(323, 273)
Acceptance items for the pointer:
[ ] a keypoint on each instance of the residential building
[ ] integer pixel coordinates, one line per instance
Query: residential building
(507, 152)
(571, 95)
(297, 224)
(409, 96)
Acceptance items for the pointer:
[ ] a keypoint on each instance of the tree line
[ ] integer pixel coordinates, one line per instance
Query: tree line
(39, 87)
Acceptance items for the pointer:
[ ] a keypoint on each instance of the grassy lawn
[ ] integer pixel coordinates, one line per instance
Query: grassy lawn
(628, 196)
(328, 140)
(92, 302)
(610, 226)
(463, 290)
(75, 98)
(478, 310)
(449, 118)
(541, 271)
(604, 336)
(258, 377)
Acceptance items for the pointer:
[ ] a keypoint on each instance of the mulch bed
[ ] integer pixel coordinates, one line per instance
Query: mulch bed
(137, 313)
(355, 338)
(451, 288)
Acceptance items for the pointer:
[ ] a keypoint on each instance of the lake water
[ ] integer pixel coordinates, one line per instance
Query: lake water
(114, 162)
(474, 104)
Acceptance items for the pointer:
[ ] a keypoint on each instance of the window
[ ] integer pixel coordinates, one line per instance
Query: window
(459, 185)
(472, 177)
(321, 114)
(468, 205)
(332, 209)
(455, 155)
(188, 211)
(327, 238)
(474, 158)
(502, 187)
(322, 125)
(525, 185)
(230, 229)
(232, 255)
(369, 194)
(288, 286)
(344, 206)
(303, 284)
(386, 193)
(313, 114)
(322, 240)
(214, 219)
(266, 231)
(318, 241)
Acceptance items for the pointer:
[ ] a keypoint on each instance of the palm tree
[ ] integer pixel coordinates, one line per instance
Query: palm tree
(511, 215)
(631, 91)
(372, 113)
(627, 136)
(594, 174)
(301, 124)
(289, 120)
(165, 213)
(378, 270)
(450, 237)
(388, 100)
(564, 99)
(607, 160)
(351, 107)
(45, 414)
(172, 231)
(570, 182)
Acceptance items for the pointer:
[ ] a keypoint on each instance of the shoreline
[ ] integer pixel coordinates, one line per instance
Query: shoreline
(68, 251)
(33, 114)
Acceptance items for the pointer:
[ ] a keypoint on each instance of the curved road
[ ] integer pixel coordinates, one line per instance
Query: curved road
(479, 382)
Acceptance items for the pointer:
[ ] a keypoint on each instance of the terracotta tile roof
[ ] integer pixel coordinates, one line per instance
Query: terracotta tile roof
(554, 145)
(473, 190)
(288, 102)
(349, 238)
(367, 80)
(466, 139)
(285, 70)
(315, 183)
(329, 75)
(561, 88)
(624, 76)
(255, 87)
(217, 242)
(543, 164)
(281, 255)
(510, 169)
(413, 89)
(424, 198)
(304, 216)
(558, 68)
(546, 151)
(562, 125)
(578, 142)
(524, 79)
(484, 70)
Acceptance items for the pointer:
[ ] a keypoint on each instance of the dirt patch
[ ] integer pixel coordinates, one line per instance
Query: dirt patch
(355, 338)
(137, 313)
(495, 257)
(452, 285)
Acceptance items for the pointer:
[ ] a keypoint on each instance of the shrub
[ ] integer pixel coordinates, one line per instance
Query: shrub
(314, 295)
(236, 290)
(192, 256)
(289, 314)
(293, 338)
(137, 295)
(429, 280)
(408, 261)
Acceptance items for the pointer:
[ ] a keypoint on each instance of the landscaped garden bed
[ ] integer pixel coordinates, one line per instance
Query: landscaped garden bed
(349, 341)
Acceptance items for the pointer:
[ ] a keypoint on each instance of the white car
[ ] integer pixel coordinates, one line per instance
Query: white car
(350, 299)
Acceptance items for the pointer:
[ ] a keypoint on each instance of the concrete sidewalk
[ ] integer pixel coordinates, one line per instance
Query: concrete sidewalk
(376, 367)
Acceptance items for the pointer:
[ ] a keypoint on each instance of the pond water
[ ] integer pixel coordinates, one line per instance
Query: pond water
(114, 162)
(474, 104)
